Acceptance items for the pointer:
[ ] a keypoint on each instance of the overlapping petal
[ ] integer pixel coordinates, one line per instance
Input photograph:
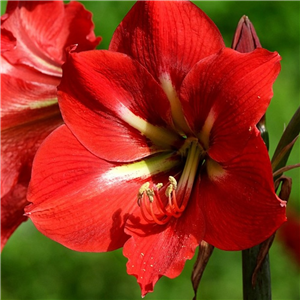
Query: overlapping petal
(238, 200)
(29, 112)
(224, 96)
(41, 40)
(167, 37)
(26, 101)
(12, 211)
(82, 201)
(8, 41)
(154, 251)
(69, 201)
(18, 147)
(118, 102)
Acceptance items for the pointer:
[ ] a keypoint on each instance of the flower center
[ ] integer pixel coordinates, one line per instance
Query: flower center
(158, 206)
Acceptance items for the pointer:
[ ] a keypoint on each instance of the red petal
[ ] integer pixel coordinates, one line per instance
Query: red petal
(167, 37)
(225, 95)
(154, 251)
(70, 203)
(18, 147)
(24, 101)
(41, 40)
(26, 73)
(8, 41)
(239, 203)
(116, 101)
(78, 28)
(80, 200)
(12, 211)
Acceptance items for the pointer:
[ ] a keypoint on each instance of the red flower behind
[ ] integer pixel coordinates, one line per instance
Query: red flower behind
(289, 235)
(33, 43)
(160, 149)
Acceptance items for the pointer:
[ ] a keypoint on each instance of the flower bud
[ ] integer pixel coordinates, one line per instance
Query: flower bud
(245, 38)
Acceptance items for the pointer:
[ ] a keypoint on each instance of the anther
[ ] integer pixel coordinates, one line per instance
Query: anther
(158, 186)
(150, 194)
(169, 190)
(173, 182)
(142, 189)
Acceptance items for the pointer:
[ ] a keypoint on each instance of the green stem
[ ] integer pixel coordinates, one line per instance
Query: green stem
(262, 288)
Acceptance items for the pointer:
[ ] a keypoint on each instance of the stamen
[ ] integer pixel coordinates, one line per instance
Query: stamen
(173, 182)
(142, 189)
(153, 209)
(148, 197)
(150, 194)
(163, 219)
(144, 213)
(160, 213)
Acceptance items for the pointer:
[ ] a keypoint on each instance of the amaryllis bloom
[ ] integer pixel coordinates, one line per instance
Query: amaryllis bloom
(160, 149)
(34, 35)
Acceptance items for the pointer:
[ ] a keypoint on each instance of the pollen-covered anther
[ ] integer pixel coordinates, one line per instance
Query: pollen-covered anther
(153, 209)
(150, 194)
(142, 190)
(173, 182)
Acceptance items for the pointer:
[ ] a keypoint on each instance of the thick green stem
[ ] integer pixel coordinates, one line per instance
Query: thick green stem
(254, 265)
(262, 288)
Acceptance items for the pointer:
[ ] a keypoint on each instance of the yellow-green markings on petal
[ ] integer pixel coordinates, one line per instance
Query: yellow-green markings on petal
(160, 136)
(214, 170)
(142, 169)
(176, 108)
(205, 131)
(42, 104)
(57, 70)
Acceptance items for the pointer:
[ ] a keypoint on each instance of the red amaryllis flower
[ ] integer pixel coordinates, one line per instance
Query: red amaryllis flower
(160, 148)
(33, 39)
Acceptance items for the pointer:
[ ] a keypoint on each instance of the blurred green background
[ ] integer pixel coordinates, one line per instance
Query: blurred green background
(36, 268)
